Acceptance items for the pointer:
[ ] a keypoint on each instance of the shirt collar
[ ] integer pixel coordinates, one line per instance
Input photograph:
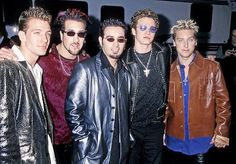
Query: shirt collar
(21, 57)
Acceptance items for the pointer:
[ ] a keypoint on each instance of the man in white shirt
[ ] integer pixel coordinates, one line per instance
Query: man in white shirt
(25, 123)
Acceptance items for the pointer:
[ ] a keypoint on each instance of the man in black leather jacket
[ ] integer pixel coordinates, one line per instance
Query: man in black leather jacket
(149, 64)
(97, 102)
(25, 124)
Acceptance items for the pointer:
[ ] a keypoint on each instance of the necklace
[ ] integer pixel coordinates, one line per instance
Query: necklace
(146, 70)
(68, 73)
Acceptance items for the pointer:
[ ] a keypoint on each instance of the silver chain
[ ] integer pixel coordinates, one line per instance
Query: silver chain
(62, 66)
(146, 71)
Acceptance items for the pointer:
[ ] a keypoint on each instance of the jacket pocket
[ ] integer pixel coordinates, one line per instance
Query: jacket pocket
(205, 88)
(83, 147)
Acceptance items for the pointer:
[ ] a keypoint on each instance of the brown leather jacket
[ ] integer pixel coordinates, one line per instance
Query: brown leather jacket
(209, 107)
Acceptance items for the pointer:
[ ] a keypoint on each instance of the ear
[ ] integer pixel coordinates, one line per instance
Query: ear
(133, 31)
(196, 43)
(61, 35)
(174, 43)
(100, 41)
(22, 36)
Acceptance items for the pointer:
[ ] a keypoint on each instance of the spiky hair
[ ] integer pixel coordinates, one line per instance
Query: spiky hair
(188, 24)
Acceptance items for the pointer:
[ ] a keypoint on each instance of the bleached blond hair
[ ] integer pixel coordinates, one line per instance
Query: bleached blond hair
(188, 24)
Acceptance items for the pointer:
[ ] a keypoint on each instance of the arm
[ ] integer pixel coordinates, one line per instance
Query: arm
(221, 137)
(9, 143)
(76, 103)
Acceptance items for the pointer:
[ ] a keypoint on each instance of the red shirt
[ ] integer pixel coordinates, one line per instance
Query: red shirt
(56, 73)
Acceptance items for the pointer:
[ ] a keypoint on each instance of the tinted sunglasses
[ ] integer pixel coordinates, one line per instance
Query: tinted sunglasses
(72, 33)
(119, 40)
(144, 27)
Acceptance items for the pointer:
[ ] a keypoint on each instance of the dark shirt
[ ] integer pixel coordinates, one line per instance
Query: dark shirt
(113, 76)
(150, 93)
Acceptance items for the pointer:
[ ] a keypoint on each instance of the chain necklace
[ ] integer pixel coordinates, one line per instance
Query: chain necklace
(68, 73)
(146, 70)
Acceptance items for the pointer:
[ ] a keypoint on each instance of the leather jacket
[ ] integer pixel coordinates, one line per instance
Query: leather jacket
(90, 111)
(209, 107)
(23, 123)
(162, 54)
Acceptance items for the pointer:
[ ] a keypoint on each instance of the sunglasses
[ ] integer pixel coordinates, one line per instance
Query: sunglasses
(144, 27)
(119, 40)
(72, 33)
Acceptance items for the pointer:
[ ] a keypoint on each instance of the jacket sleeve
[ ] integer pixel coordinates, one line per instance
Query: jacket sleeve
(9, 142)
(76, 102)
(222, 105)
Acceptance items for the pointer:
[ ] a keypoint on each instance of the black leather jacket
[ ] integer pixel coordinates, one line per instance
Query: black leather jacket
(163, 59)
(23, 124)
(90, 111)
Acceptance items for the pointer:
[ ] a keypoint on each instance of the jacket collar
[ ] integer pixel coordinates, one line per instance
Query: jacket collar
(197, 62)
(130, 58)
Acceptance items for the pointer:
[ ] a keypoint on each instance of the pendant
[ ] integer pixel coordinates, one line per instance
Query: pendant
(146, 72)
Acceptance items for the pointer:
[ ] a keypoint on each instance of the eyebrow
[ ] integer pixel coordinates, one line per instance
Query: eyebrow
(114, 36)
(187, 38)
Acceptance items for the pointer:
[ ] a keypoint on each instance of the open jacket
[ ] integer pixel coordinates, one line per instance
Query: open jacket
(90, 111)
(24, 124)
(163, 56)
(209, 107)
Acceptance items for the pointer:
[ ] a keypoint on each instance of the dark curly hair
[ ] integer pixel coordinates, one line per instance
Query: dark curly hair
(111, 22)
(71, 14)
(144, 13)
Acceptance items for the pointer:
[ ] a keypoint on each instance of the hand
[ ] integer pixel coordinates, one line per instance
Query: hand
(7, 54)
(230, 52)
(220, 141)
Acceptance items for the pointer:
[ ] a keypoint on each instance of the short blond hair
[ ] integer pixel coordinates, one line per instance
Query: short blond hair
(188, 24)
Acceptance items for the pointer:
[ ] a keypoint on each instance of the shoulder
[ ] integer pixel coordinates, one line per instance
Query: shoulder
(86, 64)
(211, 62)
(10, 69)
(84, 56)
(9, 65)
(48, 58)
(208, 63)
(161, 46)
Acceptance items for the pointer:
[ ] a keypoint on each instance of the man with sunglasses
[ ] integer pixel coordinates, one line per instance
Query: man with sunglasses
(149, 64)
(97, 101)
(57, 66)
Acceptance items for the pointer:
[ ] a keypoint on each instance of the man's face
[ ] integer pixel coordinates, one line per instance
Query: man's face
(113, 42)
(145, 31)
(233, 38)
(185, 43)
(73, 43)
(35, 40)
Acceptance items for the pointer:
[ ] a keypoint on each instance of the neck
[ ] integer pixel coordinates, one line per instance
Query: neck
(142, 48)
(113, 63)
(186, 61)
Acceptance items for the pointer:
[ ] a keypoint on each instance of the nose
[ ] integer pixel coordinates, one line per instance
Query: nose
(186, 43)
(45, 38)
(116, 43)
(148, 31)
(76, 38)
